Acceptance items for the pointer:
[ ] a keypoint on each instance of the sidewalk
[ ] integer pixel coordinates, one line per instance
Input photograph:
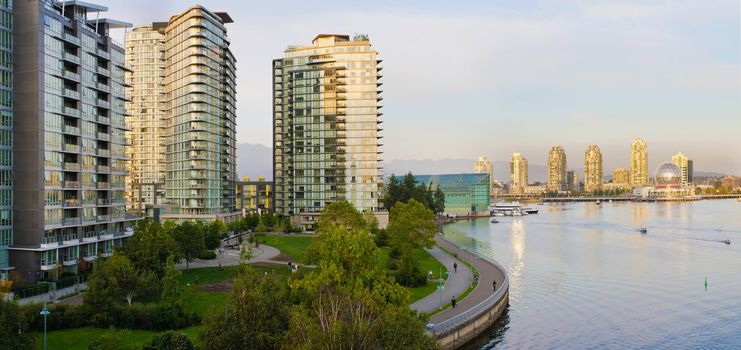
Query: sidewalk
(487, 274)
(455, 284)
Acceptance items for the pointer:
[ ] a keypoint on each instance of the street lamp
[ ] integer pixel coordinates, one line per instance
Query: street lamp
(44, 312)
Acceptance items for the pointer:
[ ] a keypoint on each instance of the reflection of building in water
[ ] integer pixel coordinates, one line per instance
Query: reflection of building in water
(639, 212)
(667, 185)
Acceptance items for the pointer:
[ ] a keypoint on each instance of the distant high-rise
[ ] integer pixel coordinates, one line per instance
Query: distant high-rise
(518, 173)
(572, 179)
(593, 169)
(6, 139)
(556, 169)
(685, 165)
(183, 122)
(482, 165)
(326, 126)
(621, 176)
(639, 173)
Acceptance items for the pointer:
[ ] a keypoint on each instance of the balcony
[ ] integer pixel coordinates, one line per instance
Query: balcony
(103, 87)
(103, 152)
(69, 129)
(71, 166)
(71, 184)
(103, 218)
(70, 148)
(70, 203)
(104, 136)
(71, 111)
(70, 221)
(71, 39)
(104, 201)
(103, 119)
(103, 103)
(103, 54)
(70, 58)
(71, 75)
(104, 169)
(103, 185)
(69, 93)
(103, 71)
(88, 219)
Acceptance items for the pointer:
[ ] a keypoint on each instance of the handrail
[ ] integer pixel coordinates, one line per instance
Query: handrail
(480, 308)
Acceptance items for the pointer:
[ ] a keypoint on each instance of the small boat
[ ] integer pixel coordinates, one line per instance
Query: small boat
(727, 241)
(643, 230)
(530, 210)
(598, 202)
(494, 221)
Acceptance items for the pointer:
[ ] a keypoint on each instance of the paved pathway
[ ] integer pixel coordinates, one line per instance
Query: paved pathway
(488, 273)
(455, 284)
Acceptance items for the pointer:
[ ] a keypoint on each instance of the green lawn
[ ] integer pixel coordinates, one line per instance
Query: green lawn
(80, 338)
(426, 263)
(292, 246)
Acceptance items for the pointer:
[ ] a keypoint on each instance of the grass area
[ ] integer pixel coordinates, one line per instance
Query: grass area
(204, 302)
(80, 338)
(426, 263)
(292, 246)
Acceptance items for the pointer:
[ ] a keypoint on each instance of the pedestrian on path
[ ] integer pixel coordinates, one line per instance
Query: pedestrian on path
(455, 266)
(452, 302)
(494, 286)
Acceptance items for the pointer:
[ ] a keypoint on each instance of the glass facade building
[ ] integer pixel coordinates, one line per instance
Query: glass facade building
(465, 194)
(254, 196)
(327, 123)
(639, 163)
(557, 169)
(183, 120)
(70, 178)
(6, 135)
(593, 172)
(518, 174)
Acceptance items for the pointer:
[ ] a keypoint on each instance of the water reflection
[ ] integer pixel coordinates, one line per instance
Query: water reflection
(582, 276)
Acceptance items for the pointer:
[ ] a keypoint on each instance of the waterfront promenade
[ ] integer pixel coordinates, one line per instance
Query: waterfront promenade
(454, 285)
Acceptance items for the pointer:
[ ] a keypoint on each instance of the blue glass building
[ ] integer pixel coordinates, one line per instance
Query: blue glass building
(465, 194)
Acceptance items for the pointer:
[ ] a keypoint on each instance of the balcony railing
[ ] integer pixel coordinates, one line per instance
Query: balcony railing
(104, 169)
(71, 75)
(71, 93)
(71, 166)
(103, 54)
(72, 112)
(103, 87)
(71, 148)
(103, 185)
(72, 39)
(104, 218)
(103, 71)
(103, 119)
(70, 221)
(103, 152)
(71, 203)
(71, 184)
(71, 129)
(103, 103)
(104, 136)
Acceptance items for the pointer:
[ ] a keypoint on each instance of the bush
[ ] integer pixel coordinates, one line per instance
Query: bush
(409, 275)
(207, 255)
(170, 341)
(381, 238)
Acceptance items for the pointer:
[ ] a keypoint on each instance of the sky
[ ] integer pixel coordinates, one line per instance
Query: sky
(491, 78)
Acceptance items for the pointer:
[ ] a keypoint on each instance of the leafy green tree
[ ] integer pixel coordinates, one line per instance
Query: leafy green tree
(256, 316)
(340, 214)
(189, 239)
(352, 252)
(411, 225)
(439, 200)
(149, 247)
(172, 291)
(170, 340)
(115, 279)
(214, 231)
(14, 331)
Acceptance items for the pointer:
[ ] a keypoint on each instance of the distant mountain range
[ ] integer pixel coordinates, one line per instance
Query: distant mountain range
(255, 160)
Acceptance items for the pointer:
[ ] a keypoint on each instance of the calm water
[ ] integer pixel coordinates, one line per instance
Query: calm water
(583, 277)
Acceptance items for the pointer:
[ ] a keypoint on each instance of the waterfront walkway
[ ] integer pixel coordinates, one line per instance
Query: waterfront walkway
(487, 274)
(455, 284)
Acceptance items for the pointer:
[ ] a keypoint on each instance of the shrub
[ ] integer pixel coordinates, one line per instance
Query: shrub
(409, 275)
(170, 341)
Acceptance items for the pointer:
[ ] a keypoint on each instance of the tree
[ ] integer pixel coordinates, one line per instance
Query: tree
(172, 291)
(189, 241)
(340, 214)
(439, 206)
(411, 225)
(149, 247)
(352, 252)
(14, 330)
(114, 280)
(256, 316)
(170, 340)
(214, 231)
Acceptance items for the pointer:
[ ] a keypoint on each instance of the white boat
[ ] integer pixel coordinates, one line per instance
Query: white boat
(506, 209)
(643, 230)
(598, 202)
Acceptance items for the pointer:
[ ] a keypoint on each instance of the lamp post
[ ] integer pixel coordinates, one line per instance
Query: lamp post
(44, 312)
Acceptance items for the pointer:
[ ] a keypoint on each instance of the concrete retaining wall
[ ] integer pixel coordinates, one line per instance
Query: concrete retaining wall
(473, 328)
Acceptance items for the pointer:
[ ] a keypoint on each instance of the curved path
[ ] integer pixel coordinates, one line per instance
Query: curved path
(455, 284)
(487, 272)
(230, 257)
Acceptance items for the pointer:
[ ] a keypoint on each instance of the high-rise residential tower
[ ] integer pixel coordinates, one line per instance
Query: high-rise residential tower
(557, 169)
(145, 186)
(572, 179)
(69, 155)
(327, 123)
(639, 163)
(518, 173)
(593, 169)
(621, 176)
(686, 166)
(184, 121)
(483, 165)
(6, 135)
